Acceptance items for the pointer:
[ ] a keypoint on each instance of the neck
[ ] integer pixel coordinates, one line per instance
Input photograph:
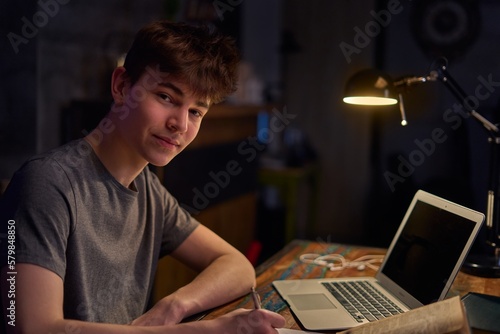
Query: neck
(116, 157)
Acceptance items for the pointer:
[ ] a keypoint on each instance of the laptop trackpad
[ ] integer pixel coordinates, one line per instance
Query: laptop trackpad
(317, 301)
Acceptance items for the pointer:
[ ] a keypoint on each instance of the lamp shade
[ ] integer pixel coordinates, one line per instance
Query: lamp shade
(370, 87)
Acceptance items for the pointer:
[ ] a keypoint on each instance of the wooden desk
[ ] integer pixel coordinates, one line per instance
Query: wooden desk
(286, 265)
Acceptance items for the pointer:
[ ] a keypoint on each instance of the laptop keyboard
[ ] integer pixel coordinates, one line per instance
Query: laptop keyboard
(362, 300)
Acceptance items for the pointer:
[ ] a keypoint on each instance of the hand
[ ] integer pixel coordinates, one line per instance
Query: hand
(250, 321)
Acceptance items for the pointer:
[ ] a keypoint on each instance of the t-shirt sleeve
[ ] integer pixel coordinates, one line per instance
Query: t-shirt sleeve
(37, 202)
(178, 223)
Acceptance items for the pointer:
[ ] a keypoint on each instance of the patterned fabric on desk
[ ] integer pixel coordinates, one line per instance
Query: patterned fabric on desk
(296, 269)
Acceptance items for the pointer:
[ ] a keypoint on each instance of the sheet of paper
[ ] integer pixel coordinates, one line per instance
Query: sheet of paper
(293, 331)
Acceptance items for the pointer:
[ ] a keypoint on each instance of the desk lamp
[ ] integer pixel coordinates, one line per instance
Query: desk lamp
(373, 87)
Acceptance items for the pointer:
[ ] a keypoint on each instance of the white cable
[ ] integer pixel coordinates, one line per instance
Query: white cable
(335, 262)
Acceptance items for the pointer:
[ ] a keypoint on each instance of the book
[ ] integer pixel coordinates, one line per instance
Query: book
(483, 312)
(443, 317)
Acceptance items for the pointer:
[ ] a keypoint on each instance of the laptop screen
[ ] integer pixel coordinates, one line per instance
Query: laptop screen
(427, 251)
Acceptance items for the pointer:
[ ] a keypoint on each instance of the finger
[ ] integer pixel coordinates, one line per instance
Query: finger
(275, 320)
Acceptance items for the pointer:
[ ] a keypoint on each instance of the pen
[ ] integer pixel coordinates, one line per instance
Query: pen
(256, 299)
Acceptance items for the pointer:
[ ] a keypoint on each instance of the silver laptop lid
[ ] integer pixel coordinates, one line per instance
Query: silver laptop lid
(428, 249)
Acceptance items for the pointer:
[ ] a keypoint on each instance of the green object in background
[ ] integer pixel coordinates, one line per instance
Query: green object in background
(170, 8)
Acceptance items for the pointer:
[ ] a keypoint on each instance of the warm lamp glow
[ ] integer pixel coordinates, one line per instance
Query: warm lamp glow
(370, 100)
(373, 87)
(370, 87)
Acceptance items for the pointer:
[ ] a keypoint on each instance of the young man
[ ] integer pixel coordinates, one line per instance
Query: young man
(87, 222)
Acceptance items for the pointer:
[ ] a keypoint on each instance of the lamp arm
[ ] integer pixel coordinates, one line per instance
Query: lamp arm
(445, 77)
(410, 81)
(493, 203)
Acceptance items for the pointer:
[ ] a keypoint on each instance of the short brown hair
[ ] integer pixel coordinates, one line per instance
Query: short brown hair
(201, 56)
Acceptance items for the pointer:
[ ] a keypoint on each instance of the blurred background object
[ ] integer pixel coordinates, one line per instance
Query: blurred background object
(59, 55)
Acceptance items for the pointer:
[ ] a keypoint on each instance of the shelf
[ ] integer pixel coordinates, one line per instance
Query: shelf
(226, 123)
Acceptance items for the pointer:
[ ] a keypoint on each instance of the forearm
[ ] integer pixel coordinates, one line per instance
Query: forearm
(80, 327)
(224, 275)
(225, 279)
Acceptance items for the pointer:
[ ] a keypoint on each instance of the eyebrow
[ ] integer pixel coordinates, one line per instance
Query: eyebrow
(179, 92)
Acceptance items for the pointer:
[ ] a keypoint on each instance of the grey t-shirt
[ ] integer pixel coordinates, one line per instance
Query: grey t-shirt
(103, 239)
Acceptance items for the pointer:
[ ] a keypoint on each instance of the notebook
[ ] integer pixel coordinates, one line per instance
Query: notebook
(420, 265)
(483, 312)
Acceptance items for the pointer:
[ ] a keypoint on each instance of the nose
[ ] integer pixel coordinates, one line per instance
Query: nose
(178, 120)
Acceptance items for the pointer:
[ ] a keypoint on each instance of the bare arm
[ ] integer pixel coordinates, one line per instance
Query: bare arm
(225, 274)
(39, 306)
(39, 300)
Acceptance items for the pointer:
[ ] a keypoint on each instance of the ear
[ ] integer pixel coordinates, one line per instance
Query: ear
(120, 83)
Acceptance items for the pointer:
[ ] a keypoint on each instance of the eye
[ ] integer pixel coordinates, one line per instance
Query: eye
(196, 113)
(165, 97)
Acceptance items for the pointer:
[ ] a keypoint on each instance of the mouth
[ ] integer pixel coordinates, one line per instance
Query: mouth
(167, 142)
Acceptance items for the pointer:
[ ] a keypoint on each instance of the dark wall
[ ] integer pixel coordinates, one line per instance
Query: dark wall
(18, 87)
(358, 146)
(77, 49)
(455, 165)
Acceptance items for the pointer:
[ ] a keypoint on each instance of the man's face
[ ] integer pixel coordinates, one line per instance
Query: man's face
(164, 117)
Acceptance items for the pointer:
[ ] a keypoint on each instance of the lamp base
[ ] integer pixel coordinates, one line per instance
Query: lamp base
(483, 265)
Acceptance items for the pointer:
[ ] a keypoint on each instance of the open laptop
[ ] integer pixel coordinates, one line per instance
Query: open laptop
(419, 268)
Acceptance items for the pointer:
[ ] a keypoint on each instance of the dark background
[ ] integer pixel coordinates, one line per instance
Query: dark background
(294, 49)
